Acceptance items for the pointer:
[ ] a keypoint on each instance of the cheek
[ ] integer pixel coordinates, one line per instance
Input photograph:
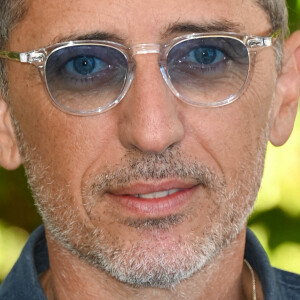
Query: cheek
(67, 145)
(233, 136)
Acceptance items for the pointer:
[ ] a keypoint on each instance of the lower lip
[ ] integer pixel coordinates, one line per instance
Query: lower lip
(157, 207)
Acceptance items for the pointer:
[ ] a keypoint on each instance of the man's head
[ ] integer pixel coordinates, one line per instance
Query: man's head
(153, 189)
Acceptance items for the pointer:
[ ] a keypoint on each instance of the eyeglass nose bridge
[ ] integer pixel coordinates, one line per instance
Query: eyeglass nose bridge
(150, 48)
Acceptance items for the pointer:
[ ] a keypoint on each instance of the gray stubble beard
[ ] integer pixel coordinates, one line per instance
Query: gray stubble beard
(168, 266)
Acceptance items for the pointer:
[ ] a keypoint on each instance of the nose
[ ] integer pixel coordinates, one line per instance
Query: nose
(150, 119)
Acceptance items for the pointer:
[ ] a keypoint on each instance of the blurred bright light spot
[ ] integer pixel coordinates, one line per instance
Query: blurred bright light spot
(286, 256)
(12, 240)
(281, 181)
(269, 194)
(281, 189)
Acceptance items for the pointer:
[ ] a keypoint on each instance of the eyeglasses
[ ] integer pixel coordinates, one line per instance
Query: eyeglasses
(91, 77)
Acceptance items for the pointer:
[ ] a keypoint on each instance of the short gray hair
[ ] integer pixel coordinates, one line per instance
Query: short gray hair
(12, 11)
(278, 18)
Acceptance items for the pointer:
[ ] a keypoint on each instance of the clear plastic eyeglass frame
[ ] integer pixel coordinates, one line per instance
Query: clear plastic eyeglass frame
(39, 58)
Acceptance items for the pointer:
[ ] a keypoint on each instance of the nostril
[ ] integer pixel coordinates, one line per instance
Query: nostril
(150, 130)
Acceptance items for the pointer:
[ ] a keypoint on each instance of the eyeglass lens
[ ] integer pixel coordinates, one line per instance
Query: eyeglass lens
(86, 77)
(208, 70)
(202, 71)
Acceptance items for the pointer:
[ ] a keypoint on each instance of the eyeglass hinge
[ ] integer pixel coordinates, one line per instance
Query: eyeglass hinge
(32, 57)
(259, 42)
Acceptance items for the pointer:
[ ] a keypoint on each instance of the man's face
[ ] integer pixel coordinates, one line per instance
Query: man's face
(198, 170)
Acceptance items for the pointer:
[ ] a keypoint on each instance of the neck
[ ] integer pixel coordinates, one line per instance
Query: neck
(226, 277)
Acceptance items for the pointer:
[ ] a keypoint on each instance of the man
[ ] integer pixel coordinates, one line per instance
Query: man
(143, 139)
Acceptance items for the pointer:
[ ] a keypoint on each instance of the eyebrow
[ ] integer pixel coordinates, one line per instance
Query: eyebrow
(212, 26)
(172, 29)
(96, 35)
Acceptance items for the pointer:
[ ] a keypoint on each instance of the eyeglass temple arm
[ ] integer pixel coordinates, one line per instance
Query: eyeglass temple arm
(33, 57)
(276, 34)
(10, 55)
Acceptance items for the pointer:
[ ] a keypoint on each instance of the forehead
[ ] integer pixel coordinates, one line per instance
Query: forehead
(137, 21)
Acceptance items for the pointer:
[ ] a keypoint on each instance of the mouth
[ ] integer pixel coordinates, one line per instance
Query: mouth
(157, 195)
(154, 200)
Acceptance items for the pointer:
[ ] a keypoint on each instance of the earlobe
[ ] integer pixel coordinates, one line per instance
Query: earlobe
(287, 92)
(9, 154)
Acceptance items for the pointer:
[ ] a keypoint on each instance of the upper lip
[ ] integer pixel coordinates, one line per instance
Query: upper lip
(151, 187)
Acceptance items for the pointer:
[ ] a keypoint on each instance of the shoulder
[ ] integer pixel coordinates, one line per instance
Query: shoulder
(277, 284)
(23, 280)
(289, 283)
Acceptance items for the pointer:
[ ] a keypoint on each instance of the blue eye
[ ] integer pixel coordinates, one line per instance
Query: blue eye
(205, 55)
(85, 65)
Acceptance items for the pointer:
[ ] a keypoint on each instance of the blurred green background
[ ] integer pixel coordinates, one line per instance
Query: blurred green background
(276, 219)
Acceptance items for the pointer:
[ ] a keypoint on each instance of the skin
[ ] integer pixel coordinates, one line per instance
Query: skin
(149, 120)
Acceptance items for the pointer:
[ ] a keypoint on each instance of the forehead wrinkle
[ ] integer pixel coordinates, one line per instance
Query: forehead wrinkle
(182, 26)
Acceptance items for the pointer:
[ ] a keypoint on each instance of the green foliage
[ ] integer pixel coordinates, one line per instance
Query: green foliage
(276, 219)
(18, 217)
(12, 239)
(294, 14)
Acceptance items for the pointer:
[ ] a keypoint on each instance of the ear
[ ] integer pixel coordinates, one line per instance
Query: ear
(9, 154)
(287, 92)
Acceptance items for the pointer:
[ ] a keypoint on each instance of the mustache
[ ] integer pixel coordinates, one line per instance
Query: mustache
(136, 166)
